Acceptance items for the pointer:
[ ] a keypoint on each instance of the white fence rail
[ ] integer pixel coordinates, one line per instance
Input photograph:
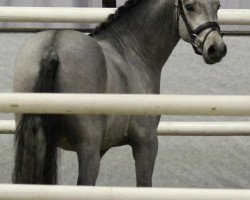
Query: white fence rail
(109, 104)
(7, 127)
(95, 15)
(54, 14)
(204, 129)
(177, 128)
(25, 192)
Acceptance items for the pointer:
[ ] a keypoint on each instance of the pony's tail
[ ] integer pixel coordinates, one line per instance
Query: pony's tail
(36, 135)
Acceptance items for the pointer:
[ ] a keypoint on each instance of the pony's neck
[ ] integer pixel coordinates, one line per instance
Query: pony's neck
(148, 30)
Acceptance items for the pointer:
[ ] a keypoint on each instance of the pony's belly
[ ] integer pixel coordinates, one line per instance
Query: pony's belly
(116, 132)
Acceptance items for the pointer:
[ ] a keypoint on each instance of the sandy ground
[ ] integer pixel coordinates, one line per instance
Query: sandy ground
(204, 162)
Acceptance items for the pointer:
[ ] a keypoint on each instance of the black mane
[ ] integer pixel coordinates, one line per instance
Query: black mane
(114, 17)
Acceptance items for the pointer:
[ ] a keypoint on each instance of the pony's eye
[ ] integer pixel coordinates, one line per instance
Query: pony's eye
(189, 7)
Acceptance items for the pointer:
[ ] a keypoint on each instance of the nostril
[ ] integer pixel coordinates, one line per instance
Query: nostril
(225, 51)
(211, 50)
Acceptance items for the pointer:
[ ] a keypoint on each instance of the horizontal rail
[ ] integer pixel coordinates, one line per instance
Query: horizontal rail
(234, 16)
(204, 129)
(39, 29)
(7, 126)
(236, 33)
(177, 128)
(109, 104)
(95, 15)
(84, 30)
(54, 14)
(25, 192)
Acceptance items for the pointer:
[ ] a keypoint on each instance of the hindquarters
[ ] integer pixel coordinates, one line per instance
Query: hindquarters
(82, 64)
(54, 61)
(81, 68)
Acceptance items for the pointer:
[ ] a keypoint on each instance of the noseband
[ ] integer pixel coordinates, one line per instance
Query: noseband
(194, 34)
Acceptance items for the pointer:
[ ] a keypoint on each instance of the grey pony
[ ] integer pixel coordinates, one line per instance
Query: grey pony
(125, 54)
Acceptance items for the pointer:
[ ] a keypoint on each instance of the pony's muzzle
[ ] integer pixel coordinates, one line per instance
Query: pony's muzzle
(214, 48)
(215, 51)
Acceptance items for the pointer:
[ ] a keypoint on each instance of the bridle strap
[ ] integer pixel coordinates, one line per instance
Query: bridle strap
(203, 27)
(195, 33)
(182, 14)
(213, 27)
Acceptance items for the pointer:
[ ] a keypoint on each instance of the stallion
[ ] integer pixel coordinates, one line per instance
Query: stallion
(124, 54)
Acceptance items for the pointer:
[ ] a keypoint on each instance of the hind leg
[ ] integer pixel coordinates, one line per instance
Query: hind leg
(85, 134)
(89, 163)
(89, 158)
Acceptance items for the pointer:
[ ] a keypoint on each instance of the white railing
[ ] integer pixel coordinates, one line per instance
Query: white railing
(115, 104)
(54, 14)
(95, 15)
(29, 192)
(7, 127)
(177, 128)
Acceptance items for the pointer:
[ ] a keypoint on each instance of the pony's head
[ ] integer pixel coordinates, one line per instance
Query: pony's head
(198, 25)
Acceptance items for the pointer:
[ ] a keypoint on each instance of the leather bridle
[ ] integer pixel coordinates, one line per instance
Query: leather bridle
(194, 34)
